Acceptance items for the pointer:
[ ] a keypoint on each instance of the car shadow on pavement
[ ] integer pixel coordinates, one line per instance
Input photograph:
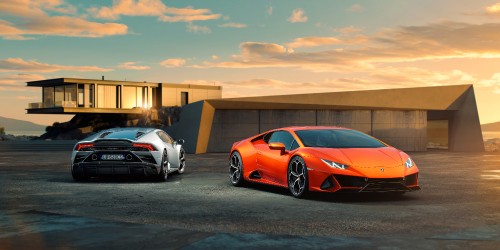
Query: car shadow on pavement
(117, 179)
(381, 198)
(337, 197)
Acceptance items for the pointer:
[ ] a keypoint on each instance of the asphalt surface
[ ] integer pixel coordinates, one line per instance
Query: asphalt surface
(42, 207)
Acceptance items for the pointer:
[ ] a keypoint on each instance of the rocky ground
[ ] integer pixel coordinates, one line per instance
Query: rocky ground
(7, 137)
(81, 125)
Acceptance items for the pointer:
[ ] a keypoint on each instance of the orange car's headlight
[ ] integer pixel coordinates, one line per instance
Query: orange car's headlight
(409, 163)
(333, 164)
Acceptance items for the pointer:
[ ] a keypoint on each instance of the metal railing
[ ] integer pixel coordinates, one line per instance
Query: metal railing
(64, 104)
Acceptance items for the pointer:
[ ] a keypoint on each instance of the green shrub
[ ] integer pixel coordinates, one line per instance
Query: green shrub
(2, 131)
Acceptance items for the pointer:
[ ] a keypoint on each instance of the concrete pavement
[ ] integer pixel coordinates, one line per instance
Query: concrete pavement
(42, 208)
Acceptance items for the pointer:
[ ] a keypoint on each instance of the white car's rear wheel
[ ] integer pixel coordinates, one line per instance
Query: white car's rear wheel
(79, 177)
(163, 174)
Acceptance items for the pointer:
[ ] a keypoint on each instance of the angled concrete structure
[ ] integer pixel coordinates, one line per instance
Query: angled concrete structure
(412, 119)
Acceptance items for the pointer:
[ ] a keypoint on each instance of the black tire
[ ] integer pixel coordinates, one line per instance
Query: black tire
(163, 174)
(298, 181)
(182, 161)
(79, 177)
(236, 169)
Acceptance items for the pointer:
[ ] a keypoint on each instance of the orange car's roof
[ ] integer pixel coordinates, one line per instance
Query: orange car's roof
(295, 128)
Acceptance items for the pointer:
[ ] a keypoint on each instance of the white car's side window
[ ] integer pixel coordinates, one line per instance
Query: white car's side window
(164, 137)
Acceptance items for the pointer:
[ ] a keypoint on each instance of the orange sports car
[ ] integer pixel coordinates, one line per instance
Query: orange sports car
(323, 159)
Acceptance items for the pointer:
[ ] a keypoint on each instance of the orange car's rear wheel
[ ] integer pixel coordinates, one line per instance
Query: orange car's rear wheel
(236, 169)
(298, 182)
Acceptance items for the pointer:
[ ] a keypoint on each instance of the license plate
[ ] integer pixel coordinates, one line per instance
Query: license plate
(112, 157)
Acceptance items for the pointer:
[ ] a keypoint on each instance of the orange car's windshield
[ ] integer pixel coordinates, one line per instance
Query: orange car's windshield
(337, 138)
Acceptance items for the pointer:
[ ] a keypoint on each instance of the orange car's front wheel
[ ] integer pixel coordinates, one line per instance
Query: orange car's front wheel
(298, 182)
(236, 169)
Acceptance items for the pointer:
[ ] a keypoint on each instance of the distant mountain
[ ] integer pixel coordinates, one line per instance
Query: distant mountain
(19, 125)
(493, 127)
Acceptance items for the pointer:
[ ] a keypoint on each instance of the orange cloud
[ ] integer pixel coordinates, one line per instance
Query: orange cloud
(493, 9)
(34, 8)
(8, 31)
(129, 8)
(256, 49)
(190, 18)
(434, 41)
(173, 62)
(313, 41)
(152, 8)
(32, 19)
(19, 64)
(349, 30)
(298, 16)
(132, 66)
(493, 81)
(72, 26)
(233, 25)
(387, 77)
(17, 82)
(14, 79)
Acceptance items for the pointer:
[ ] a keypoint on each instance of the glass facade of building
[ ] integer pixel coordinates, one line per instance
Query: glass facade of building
(59, 96)
(107, 96)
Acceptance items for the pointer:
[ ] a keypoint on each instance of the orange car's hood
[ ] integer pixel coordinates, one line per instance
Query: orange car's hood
(366, 161)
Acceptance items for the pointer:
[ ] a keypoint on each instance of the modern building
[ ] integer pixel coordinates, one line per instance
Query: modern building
(411, 119)
(73, 96)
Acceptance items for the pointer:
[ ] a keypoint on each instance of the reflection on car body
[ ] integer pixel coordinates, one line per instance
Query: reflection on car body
(323, 159)
(128, 151)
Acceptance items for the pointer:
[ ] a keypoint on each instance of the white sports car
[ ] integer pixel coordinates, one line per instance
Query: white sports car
(128, 151)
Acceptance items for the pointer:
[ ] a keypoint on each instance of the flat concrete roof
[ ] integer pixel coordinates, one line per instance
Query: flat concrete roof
(65, 110)
(421, 98)
(65, 81)
(190, 86)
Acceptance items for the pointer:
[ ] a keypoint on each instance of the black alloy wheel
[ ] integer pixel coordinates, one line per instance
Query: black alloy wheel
(298, 182)
(182, 161)
(236, 169)
(163, 174)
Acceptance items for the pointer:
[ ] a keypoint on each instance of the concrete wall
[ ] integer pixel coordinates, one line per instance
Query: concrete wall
(355, 119)
(188, 127)
(405, 130)
(271, 119)
(230, 126)
(171, 95)
(465, 129)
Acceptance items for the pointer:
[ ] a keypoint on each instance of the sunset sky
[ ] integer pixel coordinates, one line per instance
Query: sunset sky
(251, 47)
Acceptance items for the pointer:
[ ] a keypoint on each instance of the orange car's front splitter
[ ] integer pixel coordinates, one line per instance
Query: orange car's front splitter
(346, 183)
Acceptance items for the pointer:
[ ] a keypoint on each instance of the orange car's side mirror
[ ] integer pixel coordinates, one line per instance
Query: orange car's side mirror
(277, 146)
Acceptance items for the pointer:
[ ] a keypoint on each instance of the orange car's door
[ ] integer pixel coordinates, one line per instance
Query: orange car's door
(273, 163)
